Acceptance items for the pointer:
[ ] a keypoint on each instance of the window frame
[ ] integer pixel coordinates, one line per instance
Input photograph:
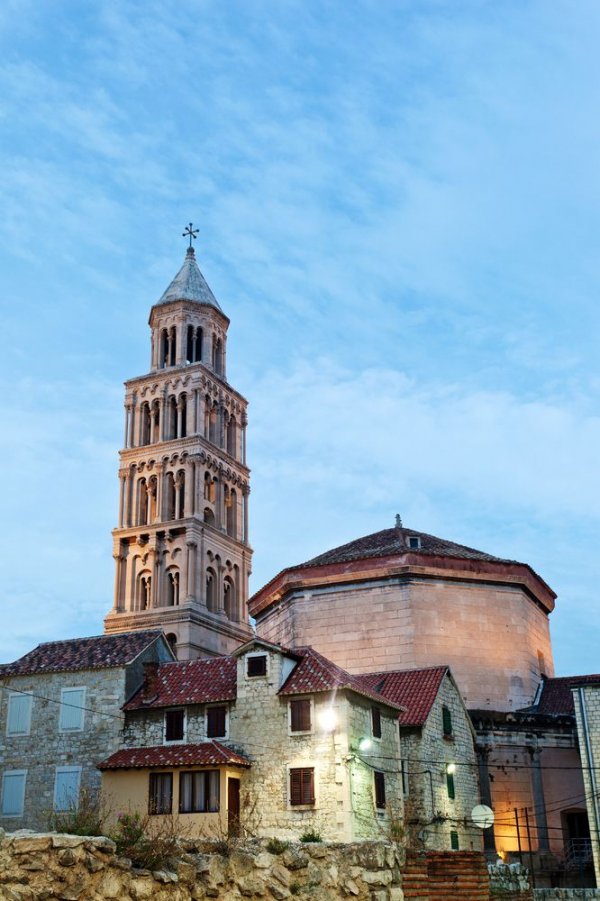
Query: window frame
(13, 773)
(379, 794)
(454, 840)
(18, 696)
(303, 803)
(175, 741)
(206, 777)
(311, 716)
(254, 656)
(63, 770)
(212, 707)
(153, 778)
(64, 705)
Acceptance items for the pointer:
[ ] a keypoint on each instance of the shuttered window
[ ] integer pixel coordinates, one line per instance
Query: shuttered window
(302, 785)
(446, 722)
(174, 725)
(216, 722)
(13, 793)
(300, 715)
(160, 796)
(199, 792)
(257, 666)
(72, 713)
(376, 722)
(18, 720)
(454, 840)
(379, 782)
(450, 786)
(66, 787)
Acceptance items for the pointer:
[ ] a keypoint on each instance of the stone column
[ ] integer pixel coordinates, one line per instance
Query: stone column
(192, 412)
(200, 412)
(191, 571)
(539, 803)
(178, 511)
(246, 492)
(179, 416)
(156, 594)
(159, 491)
(243, 437)
(221, 424)
(163, 417)
(127, 500)
(126, 436)
(219, 606)
(188, 503)
(122, 488)
(117, 592)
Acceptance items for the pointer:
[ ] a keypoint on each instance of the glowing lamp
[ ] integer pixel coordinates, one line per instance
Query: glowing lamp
(327, 720)
(364, 743)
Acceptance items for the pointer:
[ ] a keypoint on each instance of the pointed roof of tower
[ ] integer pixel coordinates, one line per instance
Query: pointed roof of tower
(190, 284)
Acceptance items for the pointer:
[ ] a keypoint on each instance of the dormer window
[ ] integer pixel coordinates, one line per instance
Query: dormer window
(256, 665)
(414, 542)
(175, 724)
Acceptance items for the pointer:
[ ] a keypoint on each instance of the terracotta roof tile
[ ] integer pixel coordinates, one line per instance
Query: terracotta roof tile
(316, 673)
(201, 681)
(210, 753)
(97, 652)
(415, 690)
(556, 697)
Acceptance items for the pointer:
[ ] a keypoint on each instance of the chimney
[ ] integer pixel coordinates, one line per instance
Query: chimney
(150, 683)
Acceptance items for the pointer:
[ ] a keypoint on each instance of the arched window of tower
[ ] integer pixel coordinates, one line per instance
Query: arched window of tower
(180, 495)
(219, 356)
(164, 349)
(229, 598)
(194, 344)
(172, 594)
(169, 496)
(144, 590)
(213, 424)
(142, 504)
(231, 508)
(209, 516)
(231, 436)
(145, 424)
(171, 418)
(211, 589)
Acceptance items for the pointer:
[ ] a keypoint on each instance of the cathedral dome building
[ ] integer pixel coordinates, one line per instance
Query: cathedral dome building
(399, 598)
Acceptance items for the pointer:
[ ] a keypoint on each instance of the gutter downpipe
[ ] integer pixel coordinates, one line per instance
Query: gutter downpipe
(591, 774)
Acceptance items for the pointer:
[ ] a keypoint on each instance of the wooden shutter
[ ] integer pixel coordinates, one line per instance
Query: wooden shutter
(216, 722)
(446, 721)
(379, 780)
(376, 722)
(450, 786)
(302, 785)
(257, 666)
(454, 845)
(300, 715)
(174, 725)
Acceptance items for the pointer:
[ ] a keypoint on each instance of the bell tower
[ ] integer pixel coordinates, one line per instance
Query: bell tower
(181, 544)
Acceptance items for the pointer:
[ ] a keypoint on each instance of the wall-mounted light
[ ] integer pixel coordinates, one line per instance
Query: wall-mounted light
(327, 719)
(450, 769)
(364, 743)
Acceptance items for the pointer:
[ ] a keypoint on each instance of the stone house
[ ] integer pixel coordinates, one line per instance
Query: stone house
(60, 713)
(278, 741)
(439, 762)
(585, 692)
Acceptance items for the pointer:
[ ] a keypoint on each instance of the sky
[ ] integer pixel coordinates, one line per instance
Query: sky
(399, 210)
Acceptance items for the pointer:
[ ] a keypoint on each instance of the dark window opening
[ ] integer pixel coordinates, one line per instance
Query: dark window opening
(300, 715)
(450, 786)
(454, 840)
(376, 722)
(379, 782)
(302, 785)
(199, 792)
(174, 725)
(446, 722)
(160, 796)
(257, 666)
(216, 722)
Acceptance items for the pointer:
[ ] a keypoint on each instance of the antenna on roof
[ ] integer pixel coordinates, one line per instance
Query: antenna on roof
(398, 521)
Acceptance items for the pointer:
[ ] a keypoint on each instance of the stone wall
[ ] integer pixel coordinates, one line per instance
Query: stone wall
(587, 707)
(72, 868)
(566, 894)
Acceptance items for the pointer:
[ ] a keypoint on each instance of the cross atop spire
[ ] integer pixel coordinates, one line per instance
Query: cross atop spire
(191, 233)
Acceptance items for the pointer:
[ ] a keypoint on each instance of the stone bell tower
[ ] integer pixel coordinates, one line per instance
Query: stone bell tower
(181, 545)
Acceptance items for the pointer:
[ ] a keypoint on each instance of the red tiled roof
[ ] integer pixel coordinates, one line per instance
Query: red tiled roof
(210, 753)
(556, 697)
(201, 681)
(316, 673)
(415, 690)
(97, 652)
(396, 541)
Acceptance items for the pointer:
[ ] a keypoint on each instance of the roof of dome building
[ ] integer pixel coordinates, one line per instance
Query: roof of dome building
(190, 284)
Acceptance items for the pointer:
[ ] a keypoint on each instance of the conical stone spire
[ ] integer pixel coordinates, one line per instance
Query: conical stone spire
(190, 284)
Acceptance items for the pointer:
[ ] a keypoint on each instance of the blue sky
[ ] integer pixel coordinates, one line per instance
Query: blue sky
(399, 208)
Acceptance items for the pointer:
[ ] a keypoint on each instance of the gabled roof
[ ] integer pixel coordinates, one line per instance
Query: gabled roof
(97, 652)
(190, 284)
(415, 690)
(556, 696)
(209, 753)
(202, 681)
(396, 541)
(316, 673)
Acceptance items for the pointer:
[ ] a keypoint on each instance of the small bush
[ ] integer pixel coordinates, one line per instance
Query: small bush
(311, 835)
(148, 846)
(84, 818)
(277, 846)
(295, 888)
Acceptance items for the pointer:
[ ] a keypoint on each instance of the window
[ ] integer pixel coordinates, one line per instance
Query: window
(216, 722)
(450, 786)
(66, 787)
(379, 784)
(160, 799)
(376, 722)
(72, 713)
(446, 722)
(18, 720)
(454, 845)
(13, 793)
(414, 542)
(300, 715)
(175, 724)
(257, 665)
(302, 785)
(405, 782)
(199, 792)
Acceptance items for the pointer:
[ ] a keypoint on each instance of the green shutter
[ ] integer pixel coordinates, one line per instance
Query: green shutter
(454, 840)
(446, 721)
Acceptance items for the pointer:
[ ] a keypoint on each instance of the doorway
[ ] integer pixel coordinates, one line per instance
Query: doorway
(233, 807)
